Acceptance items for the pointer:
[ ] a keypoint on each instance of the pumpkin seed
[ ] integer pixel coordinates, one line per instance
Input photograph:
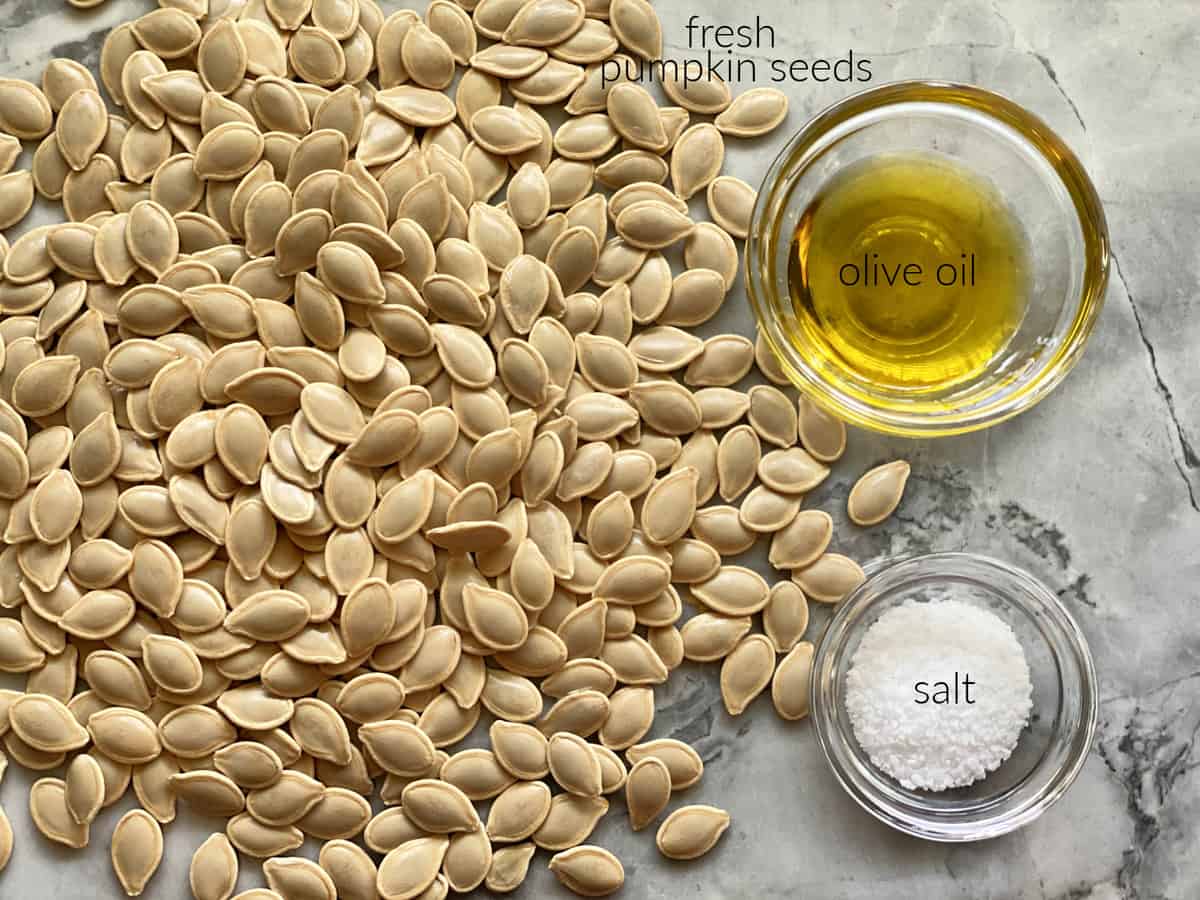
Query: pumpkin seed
(208, 792)
(438, 807)
(544, 23)
(46, 724)
(633, 112)
(350, 868)
(696, 159)
(399, 747)
(747, 670)
(708, 96)
(691, 831)
(803, 541)
(50, 813)
(670, 506)
(588, 870)
(192, 732)
(552, 83)
(521, 749)
(509, 867)
(666, 406)
(249, 764)
(637, 27)
(477, 774)
(789, 687)
(876, 494)
(631, 167)
(427, 58)
(724, 361)
(785, 617)
(631, 713)
(830, 578)
(651, 225)
(573, 765)
(647, 791)
(710, 246)
(733, 591)
(765, 511)
(511, 697)
(84, 789)
(518, 812)
(411, 868)
(298, 877)
(286, 801)
(259, 840)
(570, 821)
(137, 848)
(731, 204)
(708, 637)
(213, 872)
(27, 113)
(753, 113)
(695, 297)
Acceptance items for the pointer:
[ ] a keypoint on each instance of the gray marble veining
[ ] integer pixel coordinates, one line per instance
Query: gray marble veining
(1097, 490)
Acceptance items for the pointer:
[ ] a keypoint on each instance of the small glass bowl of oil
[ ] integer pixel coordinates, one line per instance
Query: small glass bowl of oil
(927, 258)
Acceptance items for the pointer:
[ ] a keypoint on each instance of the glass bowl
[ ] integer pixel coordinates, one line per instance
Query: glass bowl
(1049, 194)
(1052, 748)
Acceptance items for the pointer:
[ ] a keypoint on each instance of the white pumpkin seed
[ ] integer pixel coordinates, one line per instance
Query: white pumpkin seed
(691, 831)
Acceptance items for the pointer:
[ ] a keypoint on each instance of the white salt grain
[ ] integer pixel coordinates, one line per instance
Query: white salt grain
(938, 746)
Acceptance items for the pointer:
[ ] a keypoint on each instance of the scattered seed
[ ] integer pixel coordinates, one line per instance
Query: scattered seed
(691, 831)
(876, 494)
(588, 871)
(789, 688)
(830, 578)
(137, 849)
(753, 113)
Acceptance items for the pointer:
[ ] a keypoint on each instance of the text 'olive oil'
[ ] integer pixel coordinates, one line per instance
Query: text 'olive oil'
(910, 271)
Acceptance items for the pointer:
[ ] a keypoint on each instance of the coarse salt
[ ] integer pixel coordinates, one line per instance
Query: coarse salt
(932, 746)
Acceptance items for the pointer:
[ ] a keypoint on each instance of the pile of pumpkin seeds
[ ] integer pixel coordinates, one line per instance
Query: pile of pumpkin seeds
(334, 418)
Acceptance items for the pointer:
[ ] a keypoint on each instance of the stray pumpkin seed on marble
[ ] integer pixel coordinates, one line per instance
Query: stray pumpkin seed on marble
(691, 831)
(876, 494)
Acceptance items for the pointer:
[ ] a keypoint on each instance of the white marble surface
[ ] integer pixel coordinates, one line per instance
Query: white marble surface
(1095, 491)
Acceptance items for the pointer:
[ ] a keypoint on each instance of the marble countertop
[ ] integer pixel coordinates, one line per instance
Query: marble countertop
(1097, 491)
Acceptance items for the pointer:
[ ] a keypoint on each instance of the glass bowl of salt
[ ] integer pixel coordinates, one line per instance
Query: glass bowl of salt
(954, 696)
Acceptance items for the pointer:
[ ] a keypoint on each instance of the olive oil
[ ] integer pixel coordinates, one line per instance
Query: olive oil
(909, 272)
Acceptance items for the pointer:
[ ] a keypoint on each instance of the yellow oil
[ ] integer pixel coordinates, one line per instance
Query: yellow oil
(927, 332)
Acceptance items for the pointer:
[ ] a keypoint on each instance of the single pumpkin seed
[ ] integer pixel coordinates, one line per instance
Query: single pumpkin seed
(803, 541)
(50, 813)
(588, 870)
(411, 868)
(731, 203)
(647, 791)
(785, 617)
(753, 113)
(691, 831)
(746, 671)
(789, 688)
(877, 493)
(830, 578)
(213, 872)
(137, 849)
(637, 27)
(634, 113)
(518, 812)
(84, 788)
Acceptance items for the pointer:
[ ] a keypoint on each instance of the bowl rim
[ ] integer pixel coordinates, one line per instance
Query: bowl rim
(831, 737)
(1055, 152)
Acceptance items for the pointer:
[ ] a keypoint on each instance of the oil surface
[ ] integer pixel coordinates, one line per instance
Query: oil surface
(869, 263)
